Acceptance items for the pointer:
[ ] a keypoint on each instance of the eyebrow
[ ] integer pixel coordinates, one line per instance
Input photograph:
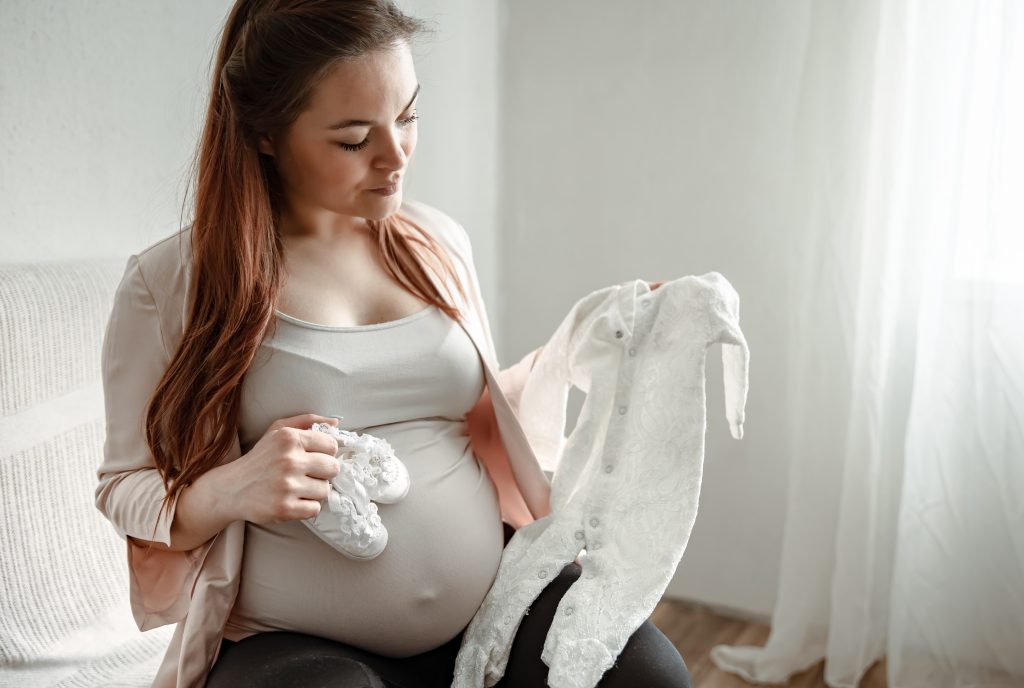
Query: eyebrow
(366, 123)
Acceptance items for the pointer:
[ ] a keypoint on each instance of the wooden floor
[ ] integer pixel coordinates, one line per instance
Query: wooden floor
(694, 630)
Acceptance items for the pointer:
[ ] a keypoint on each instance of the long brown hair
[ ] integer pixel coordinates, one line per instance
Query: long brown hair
(271, 55)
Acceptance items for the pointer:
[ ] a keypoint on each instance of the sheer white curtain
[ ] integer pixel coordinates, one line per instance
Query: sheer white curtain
(905, 525)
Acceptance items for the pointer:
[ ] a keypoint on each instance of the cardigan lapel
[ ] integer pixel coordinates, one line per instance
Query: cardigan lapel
(524, 492)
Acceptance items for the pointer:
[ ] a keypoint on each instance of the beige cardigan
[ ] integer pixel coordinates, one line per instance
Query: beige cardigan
(196, 589)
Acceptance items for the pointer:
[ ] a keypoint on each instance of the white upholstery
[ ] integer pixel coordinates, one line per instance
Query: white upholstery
(65, 618)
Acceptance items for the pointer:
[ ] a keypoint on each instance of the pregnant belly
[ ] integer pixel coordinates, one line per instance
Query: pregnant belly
(445, 541)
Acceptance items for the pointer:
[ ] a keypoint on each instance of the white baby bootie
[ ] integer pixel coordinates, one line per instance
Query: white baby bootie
(369, 471)
(372, 462)
(350, 523)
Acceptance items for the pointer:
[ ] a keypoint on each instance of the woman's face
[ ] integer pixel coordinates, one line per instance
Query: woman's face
(328, 164)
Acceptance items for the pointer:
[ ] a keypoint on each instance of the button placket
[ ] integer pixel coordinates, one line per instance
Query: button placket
(627, 313)
(622, 408)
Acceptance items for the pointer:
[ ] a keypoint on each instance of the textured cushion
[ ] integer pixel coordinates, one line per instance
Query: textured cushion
(66, 619)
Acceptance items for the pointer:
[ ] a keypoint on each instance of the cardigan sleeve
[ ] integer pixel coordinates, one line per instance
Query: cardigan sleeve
(130, 488)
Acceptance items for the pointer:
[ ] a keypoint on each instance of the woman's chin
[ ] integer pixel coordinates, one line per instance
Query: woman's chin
(384, 206)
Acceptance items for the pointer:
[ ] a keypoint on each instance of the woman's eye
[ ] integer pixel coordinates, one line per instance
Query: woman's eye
(365, 142)
(355, 146)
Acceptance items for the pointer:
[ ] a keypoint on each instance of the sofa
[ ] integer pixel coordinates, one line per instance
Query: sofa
(65, 618)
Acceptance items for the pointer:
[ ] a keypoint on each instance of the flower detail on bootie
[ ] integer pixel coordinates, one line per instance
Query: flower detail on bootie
(383, 462)
(372, 461)
(360, 529)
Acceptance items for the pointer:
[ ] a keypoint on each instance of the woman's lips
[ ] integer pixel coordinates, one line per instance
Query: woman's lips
(386, 190)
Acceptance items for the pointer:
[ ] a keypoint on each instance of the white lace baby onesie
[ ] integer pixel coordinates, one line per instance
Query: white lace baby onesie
(626, 482)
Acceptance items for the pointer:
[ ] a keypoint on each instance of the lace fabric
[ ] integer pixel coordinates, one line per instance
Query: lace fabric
(626, 481)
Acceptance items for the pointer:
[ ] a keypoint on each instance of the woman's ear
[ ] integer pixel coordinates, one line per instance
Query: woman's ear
(266, 145)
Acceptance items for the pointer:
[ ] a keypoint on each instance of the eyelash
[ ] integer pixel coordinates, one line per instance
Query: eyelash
(365, 142)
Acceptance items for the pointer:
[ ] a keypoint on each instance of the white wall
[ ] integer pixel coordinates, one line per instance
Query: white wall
(641, 140)
(101, 105)
(456, 165)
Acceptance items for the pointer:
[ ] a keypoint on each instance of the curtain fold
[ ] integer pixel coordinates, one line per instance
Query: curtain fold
(904, 535)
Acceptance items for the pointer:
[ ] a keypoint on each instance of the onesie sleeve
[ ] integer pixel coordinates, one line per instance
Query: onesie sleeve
(724, 314)
(545, 394)
(130, 487)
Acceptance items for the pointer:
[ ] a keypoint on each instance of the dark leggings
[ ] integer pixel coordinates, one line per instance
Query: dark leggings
(283, 659)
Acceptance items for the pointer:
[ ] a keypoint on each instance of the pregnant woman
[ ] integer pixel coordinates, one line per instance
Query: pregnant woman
(306, 287)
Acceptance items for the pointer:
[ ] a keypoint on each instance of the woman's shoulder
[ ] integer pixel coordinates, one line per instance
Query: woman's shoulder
(439, 224)
(167, 261)
(176, 247)
(172, 253)
(166, 264)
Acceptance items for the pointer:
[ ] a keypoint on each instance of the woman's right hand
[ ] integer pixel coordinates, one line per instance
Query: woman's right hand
(285, 475)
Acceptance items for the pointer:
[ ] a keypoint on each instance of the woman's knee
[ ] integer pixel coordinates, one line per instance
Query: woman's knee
(649, 659)
(308, 672)
(277, 659)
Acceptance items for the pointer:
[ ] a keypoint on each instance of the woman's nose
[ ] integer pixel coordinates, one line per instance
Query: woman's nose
(393, 156)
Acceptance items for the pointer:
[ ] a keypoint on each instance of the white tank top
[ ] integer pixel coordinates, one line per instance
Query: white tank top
(410, 381)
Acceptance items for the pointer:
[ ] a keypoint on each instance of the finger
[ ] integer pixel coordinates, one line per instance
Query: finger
(304, 421)
(315, 489)
(322, 466)
(318, 441)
